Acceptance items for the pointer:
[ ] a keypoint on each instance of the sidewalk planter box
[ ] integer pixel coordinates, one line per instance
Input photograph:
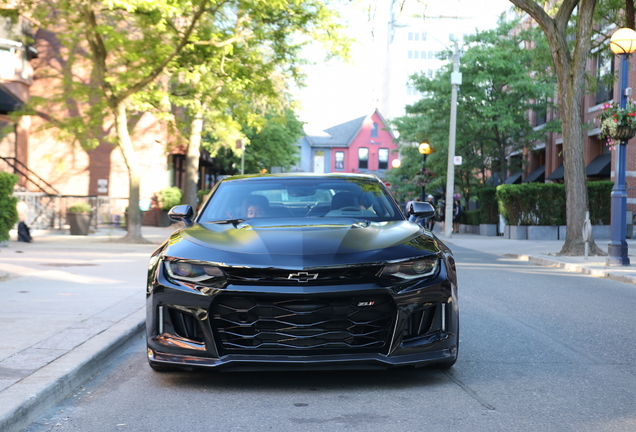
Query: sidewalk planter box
(488, 229)
(468, 229)
(543, 232)
(80, 223)
(518, 232)
(162, 219)
(562, 231)
(602, 232)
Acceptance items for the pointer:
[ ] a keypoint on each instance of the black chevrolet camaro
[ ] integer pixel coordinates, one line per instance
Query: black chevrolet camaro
(301, 271)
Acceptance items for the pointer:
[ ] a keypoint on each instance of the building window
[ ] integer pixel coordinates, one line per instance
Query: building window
(409, 55)
(423, 36)
(423, 56)
(410, 36)
(604, 77)
(383, 158)
(339, 160)
(363, 158)
(374, 130)
(541, 114)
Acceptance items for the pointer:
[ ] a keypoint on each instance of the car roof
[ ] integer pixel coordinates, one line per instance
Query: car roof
(327, 176)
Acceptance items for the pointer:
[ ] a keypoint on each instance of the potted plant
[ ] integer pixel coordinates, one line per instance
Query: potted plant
(79, 217)
(8, 210)
(164, 200)
(618, 124)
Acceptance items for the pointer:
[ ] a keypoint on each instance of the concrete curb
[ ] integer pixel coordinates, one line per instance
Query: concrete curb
(577, 268)
(36, 394)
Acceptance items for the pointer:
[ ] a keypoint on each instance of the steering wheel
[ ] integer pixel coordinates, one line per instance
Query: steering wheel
(350, 209)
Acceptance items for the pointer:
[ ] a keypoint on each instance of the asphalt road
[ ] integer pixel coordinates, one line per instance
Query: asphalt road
(541, 350)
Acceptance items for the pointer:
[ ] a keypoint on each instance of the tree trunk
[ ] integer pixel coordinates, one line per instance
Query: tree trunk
(133, 215)
(192, 160)
(570, 72)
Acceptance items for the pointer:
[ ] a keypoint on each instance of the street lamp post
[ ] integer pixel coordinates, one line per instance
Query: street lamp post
(622, 43)
(425, 150)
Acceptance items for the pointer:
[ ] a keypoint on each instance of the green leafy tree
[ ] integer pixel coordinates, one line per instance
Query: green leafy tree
(113, 50)
(275, 144)
(569, 56)
(238, 68)
(407, 180)
(499, 87)
(127, 45)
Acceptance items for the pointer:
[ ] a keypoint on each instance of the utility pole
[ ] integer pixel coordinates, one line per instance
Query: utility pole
(456, 80)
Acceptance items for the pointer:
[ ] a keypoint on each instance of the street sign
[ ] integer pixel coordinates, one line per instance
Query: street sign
(457, 160)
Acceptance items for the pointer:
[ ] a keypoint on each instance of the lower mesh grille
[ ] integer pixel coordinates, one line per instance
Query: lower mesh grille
(291, 324)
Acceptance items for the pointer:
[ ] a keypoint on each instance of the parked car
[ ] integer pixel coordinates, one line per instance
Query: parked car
(327, 272)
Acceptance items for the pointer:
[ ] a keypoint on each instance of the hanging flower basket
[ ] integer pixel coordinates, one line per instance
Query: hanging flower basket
(623, 133)
(616, 123)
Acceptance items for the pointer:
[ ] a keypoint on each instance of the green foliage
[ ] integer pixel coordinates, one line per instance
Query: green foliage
(80, 207)
(599, 196)
(532, 203)
(407, 180)
(201, 195)
(8, 210)
(168, 198)
(501, 83)
(275, 145)
(488, 205)
(471, 217)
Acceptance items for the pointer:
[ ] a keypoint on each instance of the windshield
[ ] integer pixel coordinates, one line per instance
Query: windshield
(271, 197)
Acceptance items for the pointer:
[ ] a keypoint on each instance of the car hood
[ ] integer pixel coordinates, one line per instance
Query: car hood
(300, 243)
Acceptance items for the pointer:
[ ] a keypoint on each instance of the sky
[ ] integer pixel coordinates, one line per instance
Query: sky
(337, 92)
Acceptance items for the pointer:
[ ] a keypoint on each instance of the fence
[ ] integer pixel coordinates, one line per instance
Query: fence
(45, 211)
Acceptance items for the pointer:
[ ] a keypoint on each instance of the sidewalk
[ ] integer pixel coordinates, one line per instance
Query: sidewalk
(544, 252)
(67, 302)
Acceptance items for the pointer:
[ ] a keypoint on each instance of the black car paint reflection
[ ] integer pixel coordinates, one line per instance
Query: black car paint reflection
(355, 289)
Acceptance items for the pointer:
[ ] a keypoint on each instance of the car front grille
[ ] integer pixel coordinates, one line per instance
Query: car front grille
(297, 324)
(330, 276)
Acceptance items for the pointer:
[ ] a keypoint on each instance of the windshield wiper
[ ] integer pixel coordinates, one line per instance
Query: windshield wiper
(227, 221)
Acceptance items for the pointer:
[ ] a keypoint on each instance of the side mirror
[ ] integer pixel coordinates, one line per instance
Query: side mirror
(421, 210)
(182, 213)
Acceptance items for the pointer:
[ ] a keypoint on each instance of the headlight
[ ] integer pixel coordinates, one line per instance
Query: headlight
(418, 268)
(192, 271)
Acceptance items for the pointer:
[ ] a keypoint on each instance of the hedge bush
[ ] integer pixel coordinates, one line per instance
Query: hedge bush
(169, 197)
(8, 209)
(599, 196)
(488, 206)
(470, 217)
(544, 203)
(80, 207)
(532, 203)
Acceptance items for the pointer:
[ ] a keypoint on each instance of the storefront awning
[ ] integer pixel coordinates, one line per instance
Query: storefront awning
(8, 101)
(557, 174)
(537, 175)
(600, 166)
(514, 179)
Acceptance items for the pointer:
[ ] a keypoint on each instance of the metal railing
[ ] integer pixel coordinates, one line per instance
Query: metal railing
(45, 211)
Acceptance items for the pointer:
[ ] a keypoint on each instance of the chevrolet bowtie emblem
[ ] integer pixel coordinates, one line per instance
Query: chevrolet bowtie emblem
(302, 276)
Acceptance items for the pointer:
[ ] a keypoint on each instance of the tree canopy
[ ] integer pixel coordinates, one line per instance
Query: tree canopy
(500, 87)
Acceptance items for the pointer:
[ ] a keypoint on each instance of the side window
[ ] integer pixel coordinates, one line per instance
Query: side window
(374, 130)
(383, 158)
(339, 165)
(363, 158)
